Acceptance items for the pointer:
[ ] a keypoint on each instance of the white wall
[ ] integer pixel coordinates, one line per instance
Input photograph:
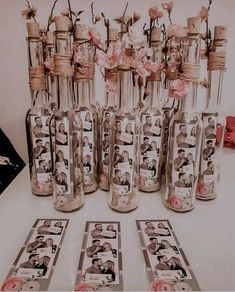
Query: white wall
(14, 92)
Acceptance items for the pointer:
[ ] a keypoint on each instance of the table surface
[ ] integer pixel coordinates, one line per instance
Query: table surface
(206, 234)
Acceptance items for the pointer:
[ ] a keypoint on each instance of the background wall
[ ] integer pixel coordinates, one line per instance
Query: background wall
(14, 91)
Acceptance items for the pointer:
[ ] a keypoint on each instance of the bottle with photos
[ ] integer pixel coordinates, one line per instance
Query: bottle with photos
(185, 129)
(213, 120)
(38, 118)
(68, 190)
(152, 124)
(84, 73)
(124, 144)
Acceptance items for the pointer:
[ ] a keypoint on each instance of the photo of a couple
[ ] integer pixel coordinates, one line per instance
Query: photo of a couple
(173, 264)
(36, 262)
(98, 267)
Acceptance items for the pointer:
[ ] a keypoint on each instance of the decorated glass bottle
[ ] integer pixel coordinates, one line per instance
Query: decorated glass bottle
(67, 167)
(38, 118)
(124, 143)
(84, 72)
(105, 120)
(151, 126)
(185, 130)
(213, 121)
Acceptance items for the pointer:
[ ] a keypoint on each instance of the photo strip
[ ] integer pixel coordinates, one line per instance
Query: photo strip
(100, 263)
(165, 260)
(37, 258)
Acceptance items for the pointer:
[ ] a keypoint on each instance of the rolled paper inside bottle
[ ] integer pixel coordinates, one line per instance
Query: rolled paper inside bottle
(63, 64)
(80, 31)
(61, 23)
(127, 59)
(33, 29)
(220, 32)
(194, 24)
(37, 78)
(84, 72)
(190, 72)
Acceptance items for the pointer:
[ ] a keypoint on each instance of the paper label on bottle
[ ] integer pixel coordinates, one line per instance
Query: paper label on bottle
(208, 178)
(183, 191)
(146, 173)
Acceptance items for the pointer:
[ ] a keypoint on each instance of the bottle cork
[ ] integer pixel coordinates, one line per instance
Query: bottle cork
(50, 38)
(194, 25)
(113, 34)
(61, 23)
(80, 31)
(156, 34)
(220, 32)
(33, 29)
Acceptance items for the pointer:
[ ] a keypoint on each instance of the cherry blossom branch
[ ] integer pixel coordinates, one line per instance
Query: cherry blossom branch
(70, 14)
(51, 14)
(92, 13)
(32, 15)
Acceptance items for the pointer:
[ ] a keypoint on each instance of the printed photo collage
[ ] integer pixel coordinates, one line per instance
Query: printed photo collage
(183, 169)
(150, 145)
(88, 146)
(100, 263)
(162, 251)
(106, 142)
(208, 170)
(41, 148)
(124, 151)
(62, 154)
(38, 255)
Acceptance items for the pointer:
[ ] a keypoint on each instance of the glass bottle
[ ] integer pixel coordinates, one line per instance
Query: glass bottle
(106, 116)
(67, 167)
(185, 131)
(38, 118)
(151, 126)
(84, 72)
(123, 166)
(213, 120)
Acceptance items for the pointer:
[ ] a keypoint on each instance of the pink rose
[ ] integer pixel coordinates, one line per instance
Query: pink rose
(154, 13)
(85, 287)
(175, 30)
(204, 189)
(159, 285)
(168, 6)
(94, 36)
(204, 13)
(175, 201)
(13, 284)
(179, 87)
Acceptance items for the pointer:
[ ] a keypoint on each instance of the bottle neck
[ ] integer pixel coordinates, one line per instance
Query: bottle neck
(84, 92)
(125, 90)
(155, 98)
(214, 90)
(65, 92)
(188, 103)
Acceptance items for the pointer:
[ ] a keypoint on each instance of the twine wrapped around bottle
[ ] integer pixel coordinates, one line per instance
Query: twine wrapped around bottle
(37, 78)
(63, 64)
(155, 76)
(127, 59)
(216, 61)
(84, 72)
(190, 72)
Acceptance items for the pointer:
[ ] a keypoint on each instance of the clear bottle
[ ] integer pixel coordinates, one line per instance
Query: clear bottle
(38, 118)
(185, 131)
(213, 120)
(67, 168)
(151, 126)
(124, 143)
(105, 119)
(84, 73)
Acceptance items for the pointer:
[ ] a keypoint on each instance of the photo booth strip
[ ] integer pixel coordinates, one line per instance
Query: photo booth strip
(28, 276)
(99, 279)
(171, 280)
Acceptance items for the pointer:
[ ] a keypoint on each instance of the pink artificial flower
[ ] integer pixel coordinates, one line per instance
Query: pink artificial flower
(113, 58)
(142, 72)
(94, 36)
(13, 284)
(151, 66)
(29, 11)
(204, 189)
(111, 86)
(168, 6)
(203, 83)
(179, 88)
(172, 66)
(85, 287)
(134, 36)
(160, 285)
(175, 30)
(49, 63)
(154, 13)
(204, 13)
(78, 57)
(175, 201)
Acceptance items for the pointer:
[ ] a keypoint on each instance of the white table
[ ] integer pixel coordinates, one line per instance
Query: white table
(206, 234)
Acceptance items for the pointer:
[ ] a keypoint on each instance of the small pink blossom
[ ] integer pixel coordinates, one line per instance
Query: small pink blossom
(97, 18)
(155, 13)
(29, 11)
(141, 71)
(85, 287)
(175, 202)
(168, 6)
(134, 36)
(203, 83)
(13, 284)
(78, 57)
(151, 66)
(94, 36)
(204, 13)
(179, 88)
(111, 86)
(160, 285)
(175, 30)
(49, 63)
(112, 58)
(172, 66)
